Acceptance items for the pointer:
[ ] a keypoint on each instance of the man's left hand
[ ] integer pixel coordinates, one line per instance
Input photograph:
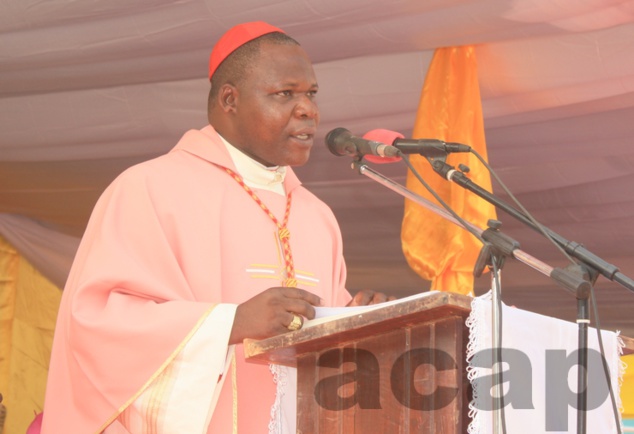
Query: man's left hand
(367, 296)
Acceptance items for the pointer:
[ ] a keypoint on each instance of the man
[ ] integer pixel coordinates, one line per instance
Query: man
(188, 254)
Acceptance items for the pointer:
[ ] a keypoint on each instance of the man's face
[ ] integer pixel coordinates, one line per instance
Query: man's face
(276, 113)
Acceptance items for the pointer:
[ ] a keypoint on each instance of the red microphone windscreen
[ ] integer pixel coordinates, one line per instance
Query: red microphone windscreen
(386, 137)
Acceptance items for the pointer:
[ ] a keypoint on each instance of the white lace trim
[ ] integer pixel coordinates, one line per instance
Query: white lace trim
(621, 370)
(476, 338)
(280, 376)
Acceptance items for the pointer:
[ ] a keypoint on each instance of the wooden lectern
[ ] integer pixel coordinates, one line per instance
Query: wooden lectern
(396, 369)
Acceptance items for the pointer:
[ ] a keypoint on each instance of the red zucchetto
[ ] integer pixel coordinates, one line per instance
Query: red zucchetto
(236, 37)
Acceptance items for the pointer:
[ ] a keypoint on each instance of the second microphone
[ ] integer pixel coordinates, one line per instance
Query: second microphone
(340, 142)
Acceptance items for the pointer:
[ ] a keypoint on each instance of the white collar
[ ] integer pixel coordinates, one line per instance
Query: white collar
(256, 174)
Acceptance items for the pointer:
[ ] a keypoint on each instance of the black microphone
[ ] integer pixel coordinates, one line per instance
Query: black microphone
(341, 142)
(430, 148)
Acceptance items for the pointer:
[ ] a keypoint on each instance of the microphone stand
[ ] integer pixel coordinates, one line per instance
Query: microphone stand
(498, 246)
(592, 266)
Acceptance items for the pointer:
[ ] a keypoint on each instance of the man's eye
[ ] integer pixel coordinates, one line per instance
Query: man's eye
(285, 93)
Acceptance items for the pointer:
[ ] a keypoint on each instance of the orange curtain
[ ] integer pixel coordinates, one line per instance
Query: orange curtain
(28, 310)
(450, 110)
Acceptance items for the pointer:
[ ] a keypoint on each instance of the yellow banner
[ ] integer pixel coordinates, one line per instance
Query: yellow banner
(450, 109)
(28, 311)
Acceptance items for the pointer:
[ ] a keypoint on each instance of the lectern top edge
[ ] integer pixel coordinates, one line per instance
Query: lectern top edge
(284, 349)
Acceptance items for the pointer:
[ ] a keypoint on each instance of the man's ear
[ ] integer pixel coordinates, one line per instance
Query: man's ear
(228, 97)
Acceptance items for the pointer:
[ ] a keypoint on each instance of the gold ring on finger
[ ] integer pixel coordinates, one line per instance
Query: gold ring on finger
(296, 324)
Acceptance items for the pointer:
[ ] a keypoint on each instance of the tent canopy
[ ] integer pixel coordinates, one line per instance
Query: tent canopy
(88, 88)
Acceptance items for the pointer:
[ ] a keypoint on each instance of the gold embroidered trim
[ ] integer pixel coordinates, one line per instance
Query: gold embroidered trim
(234, 386)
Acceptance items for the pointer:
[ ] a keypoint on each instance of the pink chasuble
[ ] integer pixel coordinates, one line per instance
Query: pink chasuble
(168, 240)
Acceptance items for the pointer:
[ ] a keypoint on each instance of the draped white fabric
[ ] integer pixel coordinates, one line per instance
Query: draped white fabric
(50, 251)
(539, 364)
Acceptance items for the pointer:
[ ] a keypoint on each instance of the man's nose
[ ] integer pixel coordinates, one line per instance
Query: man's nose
(307, 108)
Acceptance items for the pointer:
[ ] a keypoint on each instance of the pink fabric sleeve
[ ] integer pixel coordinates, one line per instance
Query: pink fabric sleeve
(127, 309)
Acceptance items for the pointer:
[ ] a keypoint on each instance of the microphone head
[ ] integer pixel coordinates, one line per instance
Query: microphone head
(382, 136)
(335, 138)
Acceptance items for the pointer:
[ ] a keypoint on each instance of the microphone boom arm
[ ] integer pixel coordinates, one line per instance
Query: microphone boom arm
(564, 277)
(577, 250)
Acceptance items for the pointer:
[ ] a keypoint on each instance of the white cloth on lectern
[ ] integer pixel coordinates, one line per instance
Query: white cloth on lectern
(284, 410)
(536, 336)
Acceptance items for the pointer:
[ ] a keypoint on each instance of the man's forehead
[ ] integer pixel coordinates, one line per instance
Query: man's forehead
(284, 65)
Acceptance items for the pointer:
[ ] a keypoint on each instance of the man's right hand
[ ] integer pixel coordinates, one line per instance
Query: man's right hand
(270, 312)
